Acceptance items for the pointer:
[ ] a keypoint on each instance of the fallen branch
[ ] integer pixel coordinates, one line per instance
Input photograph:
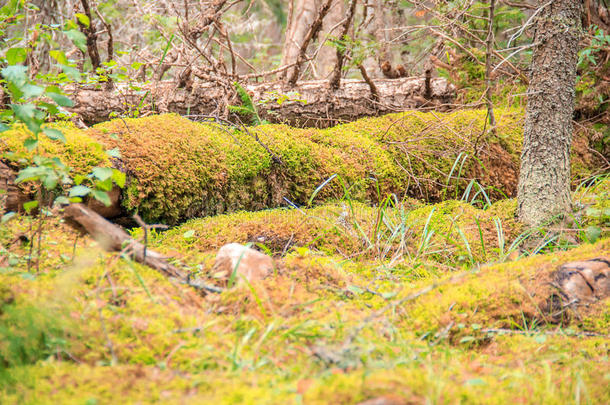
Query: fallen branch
(503, 331)
(113, 239)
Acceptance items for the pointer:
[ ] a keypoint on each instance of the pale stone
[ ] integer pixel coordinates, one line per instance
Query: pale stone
(251, 264)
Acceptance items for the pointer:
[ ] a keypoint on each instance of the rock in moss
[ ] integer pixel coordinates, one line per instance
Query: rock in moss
(237, 263)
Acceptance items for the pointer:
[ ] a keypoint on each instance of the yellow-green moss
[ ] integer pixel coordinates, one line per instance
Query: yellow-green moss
(505, 295)
(434, 232)
(595, 203)
(256, 345)
(80, 152)
(179, 169)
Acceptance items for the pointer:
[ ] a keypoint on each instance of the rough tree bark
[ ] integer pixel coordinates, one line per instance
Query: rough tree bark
(310, 108)
(544, 181)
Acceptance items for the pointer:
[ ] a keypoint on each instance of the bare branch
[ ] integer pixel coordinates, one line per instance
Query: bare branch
(335, 80)
(311, 35)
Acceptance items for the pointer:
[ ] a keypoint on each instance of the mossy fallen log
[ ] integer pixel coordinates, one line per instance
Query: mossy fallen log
(308, 104)
(179, 169)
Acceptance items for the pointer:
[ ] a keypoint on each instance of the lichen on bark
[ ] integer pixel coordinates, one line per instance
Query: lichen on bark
(544, 182)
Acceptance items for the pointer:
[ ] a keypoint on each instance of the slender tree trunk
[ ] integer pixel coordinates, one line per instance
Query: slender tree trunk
(544, 182)
(303, 15)
(327, 57)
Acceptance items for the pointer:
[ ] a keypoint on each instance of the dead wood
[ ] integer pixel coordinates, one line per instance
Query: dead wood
(114, 239)
(335, 80)
(309, 103)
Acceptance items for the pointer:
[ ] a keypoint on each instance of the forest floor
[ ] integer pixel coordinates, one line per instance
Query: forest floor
(400, 301)
(357, 309)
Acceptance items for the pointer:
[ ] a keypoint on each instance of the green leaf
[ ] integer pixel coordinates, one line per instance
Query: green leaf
(29, 173)
(71, 72)
(30, 205)
(70, 25)
(4, 127)
(54, 134)
(31, 90)
(59, 56)
(119, 178)
(14, 56)
(83, 19)
(30, 144)
(29, 115)
(50, 181)
(61, 100)
(188, 234)
(50, 108)
(16, 74)
(79, 191)
(77, 38)
(593, 233)
(105, 185)
(102, 173)
(63, 200)
(11, 8)
(115, 153)
(7, 217)
(78, 178)
(102, 197)
(355, 289)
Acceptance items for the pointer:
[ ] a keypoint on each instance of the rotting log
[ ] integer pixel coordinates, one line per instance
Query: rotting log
(308, 104)
(177, 169)
(112, 238)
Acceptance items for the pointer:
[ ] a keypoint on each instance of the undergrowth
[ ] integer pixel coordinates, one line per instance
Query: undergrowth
(429, 302)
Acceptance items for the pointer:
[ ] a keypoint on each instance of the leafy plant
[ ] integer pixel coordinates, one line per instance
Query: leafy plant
(34, 103)
(248, 108)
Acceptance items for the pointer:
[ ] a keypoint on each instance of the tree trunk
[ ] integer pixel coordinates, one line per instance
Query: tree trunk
(309, 104)
(327, 57)
(544, 181)
(303, 15)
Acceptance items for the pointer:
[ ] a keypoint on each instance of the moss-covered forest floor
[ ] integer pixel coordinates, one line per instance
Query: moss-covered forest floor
(412, 301)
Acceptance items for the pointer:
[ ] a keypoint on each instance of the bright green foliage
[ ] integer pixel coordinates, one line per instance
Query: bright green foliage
(247, 109)
(78, 151)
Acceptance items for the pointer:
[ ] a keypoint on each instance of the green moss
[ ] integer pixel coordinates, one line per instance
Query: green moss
(595, 203)
(504, 295)
(145, 338)
(178, 169)
(80, 152)
(204, 170)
